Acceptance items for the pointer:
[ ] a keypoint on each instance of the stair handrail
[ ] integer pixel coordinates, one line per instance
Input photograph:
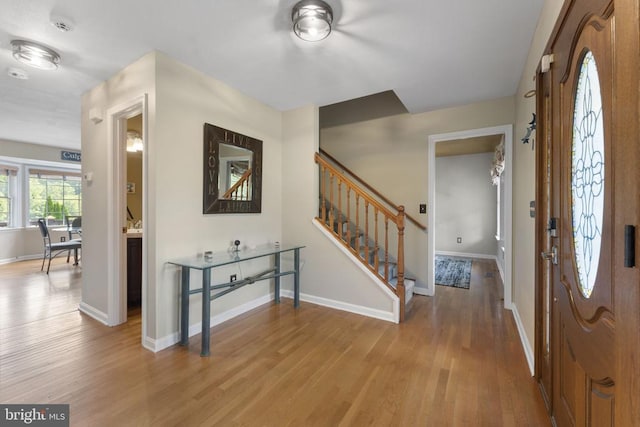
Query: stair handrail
(244, 179)
(370, 188)
(397, 217)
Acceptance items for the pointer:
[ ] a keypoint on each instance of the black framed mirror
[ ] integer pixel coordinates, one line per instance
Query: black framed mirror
(232, 172)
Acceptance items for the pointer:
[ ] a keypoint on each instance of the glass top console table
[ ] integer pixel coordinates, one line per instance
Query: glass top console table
(219, 259)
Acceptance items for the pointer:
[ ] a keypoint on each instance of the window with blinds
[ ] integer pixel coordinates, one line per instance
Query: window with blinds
(54, 195)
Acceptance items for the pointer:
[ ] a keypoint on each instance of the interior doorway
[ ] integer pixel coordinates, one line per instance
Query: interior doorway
(506, 192)
(127, 127)
(134, 212)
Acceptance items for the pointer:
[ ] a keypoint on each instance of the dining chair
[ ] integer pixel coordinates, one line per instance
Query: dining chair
(74, 228)
(52, 250)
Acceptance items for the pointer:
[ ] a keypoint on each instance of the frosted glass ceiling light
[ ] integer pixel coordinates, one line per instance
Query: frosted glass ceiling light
(312, 20)
(134, 141)
(35, 55)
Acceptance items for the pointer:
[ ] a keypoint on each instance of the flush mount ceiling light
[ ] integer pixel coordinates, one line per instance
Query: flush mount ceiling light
(134, 141)
(35, 55)
(312, 20)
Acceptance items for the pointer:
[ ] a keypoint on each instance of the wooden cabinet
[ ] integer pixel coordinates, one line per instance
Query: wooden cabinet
(134, 271)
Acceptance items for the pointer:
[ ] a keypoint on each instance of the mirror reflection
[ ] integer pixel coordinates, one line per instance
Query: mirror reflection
(234, 180)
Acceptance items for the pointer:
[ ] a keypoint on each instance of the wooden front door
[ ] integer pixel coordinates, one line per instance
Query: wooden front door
(588, 195)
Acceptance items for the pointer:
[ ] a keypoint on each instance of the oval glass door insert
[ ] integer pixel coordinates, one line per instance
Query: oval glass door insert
(587, 174)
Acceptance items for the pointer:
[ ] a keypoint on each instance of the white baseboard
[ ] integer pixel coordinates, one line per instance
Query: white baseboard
(395, 301)
(466, 255)
(345, 306)
(93, 312)
(422, 291)
(149, 343)
(500, 269)
(20, 258)
(174, 338)
(528, 352)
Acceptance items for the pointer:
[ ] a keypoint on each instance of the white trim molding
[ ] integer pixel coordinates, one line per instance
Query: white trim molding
(466, 255)
(528, 351)
(93, 313)
(360, 309)
(116, 203)
(343, 306)
(196, 328)
(507, 131)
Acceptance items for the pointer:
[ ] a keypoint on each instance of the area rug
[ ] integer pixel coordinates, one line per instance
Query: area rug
(453, 271)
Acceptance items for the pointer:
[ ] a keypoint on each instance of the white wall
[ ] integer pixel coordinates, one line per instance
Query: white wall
(524, 182)
(391, 154)
(328, 276)
(186, 99)
(466, 205)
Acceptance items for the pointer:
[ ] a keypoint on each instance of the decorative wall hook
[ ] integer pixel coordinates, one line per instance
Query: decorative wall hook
(531, 128)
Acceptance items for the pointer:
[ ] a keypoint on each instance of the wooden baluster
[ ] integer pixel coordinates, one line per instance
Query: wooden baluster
(400, 286)
(348, 220)
(340, 208)
(386, 248)
(366, 231)
(376, 260)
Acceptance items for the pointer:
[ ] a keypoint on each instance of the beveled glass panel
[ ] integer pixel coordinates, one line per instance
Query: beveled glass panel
(587, 174)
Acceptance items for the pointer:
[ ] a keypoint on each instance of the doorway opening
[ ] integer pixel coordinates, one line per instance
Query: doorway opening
(126, 206)
(448, 140)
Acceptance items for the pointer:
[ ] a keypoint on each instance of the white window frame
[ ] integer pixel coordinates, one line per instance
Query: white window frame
(14, 199)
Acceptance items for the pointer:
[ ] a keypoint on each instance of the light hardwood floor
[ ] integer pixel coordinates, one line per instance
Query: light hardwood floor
(456, 361)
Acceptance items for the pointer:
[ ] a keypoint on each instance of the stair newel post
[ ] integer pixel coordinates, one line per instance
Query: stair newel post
(349, 215)
(400, 287)
(376, 259)
(323, 192)
(356, 244)
(366, 231)
(331, 217)
(339, 208)
(386, 248)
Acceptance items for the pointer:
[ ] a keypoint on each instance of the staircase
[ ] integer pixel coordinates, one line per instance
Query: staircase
(367, 224)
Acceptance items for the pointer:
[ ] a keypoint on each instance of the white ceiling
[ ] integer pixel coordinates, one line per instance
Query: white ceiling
(433, 54)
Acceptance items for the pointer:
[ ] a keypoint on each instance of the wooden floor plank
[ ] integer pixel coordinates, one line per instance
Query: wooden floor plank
(456, 361)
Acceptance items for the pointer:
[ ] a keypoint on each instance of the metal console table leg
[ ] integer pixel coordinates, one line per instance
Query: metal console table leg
(206, 311)
(184, 310)
(277, 278)
(296, 278)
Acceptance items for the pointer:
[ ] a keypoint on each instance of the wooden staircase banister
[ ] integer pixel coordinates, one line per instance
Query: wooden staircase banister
(370, 188)
(357, 188)
(370, 241)
(244, 179)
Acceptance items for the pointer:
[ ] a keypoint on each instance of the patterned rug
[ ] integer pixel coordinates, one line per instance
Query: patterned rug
(453, 271)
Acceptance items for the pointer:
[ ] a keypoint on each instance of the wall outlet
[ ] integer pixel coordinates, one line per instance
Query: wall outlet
(233, 278)
(459, 239)
(423, 208)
